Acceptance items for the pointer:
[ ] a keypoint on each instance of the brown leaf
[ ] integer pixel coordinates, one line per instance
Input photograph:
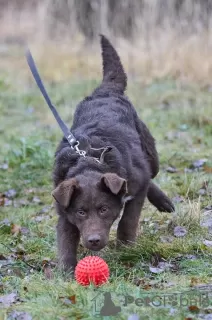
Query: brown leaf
(204, 188)
(5, 198)
(205, 185)
(147, 287)
(72, 299)
(194, 281)
(69, 301)
(45, 262)
(194, 309)
(156, 258)
(1, 287)
(8, 299)
(20, 251)
(208, 169)
(47, 268)
(142, 283)
(2, 200)
(48, 272)
(15, 229)
(18, 272)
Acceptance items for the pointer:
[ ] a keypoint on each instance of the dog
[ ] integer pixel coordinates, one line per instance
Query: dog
(114, 176)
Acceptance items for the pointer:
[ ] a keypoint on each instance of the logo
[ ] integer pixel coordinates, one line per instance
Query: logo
(105, 305)
(111, 304)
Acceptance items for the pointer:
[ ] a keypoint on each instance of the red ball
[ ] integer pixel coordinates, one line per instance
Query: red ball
(92, 269)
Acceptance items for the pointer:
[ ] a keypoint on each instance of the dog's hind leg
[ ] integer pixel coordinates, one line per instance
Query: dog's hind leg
(159, 199)
(154, 194)
(148, 146)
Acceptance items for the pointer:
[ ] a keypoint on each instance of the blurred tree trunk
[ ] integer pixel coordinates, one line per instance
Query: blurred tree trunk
(118, 17)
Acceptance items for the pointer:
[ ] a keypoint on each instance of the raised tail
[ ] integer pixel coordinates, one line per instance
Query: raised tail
(114, 75)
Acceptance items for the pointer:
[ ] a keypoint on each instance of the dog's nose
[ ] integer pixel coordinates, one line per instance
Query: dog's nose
(94, 240)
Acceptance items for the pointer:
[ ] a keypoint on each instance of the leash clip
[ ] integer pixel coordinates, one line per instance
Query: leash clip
(80, 152)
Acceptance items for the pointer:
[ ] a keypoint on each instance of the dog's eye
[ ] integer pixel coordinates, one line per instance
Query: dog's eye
(103, 210)
(81, 213)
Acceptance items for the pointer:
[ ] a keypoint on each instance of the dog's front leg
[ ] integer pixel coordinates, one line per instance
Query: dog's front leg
(127, 228)
(67, 239)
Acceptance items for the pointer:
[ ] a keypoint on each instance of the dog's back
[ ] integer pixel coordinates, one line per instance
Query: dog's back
(107, 117)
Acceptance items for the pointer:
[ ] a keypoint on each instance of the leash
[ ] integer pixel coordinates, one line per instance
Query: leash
(67, 133)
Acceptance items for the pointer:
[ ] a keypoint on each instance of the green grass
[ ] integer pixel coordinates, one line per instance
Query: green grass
(180, 118)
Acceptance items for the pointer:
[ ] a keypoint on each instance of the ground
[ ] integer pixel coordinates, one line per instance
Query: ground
(165, 260)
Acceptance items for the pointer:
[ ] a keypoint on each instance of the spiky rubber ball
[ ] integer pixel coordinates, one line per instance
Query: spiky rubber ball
(92, 270)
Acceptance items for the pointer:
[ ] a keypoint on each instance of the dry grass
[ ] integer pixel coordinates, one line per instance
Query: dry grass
(169, 50)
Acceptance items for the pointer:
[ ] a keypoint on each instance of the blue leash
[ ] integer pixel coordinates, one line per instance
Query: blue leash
(69, 136)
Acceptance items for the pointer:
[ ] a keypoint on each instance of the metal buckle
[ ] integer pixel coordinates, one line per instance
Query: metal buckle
(80, 152)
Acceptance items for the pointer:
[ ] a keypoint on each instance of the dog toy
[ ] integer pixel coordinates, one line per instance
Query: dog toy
(92, 269)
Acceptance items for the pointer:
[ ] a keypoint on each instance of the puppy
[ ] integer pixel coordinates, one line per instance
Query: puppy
(116, 173)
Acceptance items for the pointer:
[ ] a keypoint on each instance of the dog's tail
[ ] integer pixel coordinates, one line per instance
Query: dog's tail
(113, 72)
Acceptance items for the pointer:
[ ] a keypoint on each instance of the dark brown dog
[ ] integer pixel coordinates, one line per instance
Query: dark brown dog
(89, 194)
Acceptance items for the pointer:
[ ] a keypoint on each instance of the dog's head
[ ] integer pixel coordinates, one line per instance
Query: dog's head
(92, 202)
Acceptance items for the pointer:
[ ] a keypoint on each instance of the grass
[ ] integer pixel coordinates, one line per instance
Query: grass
(180, 118)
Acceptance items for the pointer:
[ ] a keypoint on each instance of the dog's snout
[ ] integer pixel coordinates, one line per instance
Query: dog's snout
(94, 240)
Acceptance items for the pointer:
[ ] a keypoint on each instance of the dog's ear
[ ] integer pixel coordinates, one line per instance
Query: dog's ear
(64, 191)
(116, 184)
